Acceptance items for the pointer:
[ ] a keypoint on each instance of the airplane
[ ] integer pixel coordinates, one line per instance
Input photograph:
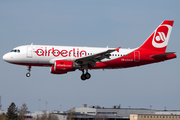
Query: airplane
(64, 59)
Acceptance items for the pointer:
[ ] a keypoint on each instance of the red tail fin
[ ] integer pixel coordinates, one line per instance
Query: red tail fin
(158, 40)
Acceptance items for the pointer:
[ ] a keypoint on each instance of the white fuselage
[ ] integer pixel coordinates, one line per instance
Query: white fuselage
(46, 55)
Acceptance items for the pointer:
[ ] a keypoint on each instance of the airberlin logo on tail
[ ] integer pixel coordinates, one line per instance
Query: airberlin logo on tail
(161, 36)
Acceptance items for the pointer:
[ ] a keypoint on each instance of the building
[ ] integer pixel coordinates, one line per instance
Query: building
(118, 113)
(113, 113)
(154, 117)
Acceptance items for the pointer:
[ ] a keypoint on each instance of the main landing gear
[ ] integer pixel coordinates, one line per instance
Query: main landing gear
(28, 74)
(85, 76)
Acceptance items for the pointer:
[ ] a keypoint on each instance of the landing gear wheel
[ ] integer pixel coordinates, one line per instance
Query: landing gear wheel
(87, 75)
(28, 74)
(83, 77)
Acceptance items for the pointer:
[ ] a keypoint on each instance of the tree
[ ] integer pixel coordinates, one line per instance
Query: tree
(50, 116)
(43, 117)
(11, 112)
(71, 114)
(3, 117)
(22, 112)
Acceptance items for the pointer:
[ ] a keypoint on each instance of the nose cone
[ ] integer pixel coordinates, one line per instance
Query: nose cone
(6, 57)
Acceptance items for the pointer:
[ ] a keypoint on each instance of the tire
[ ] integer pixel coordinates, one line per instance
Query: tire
(28, 74)
(87, 75)
(83, 77)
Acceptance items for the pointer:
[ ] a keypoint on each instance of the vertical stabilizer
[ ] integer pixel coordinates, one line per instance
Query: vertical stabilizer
(158, 40)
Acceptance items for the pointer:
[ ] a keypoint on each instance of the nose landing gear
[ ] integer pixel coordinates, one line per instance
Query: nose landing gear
(28, 74)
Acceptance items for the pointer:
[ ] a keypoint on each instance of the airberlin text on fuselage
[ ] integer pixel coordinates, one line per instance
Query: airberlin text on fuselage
(64, 53)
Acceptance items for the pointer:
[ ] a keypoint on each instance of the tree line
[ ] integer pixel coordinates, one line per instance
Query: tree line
(13, 113)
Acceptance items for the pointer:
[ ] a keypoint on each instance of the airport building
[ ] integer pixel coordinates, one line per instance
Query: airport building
(113, 113)
(154, 117)
(118, 113)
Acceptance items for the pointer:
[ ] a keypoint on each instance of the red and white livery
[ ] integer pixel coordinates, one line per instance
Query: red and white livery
(64, 59)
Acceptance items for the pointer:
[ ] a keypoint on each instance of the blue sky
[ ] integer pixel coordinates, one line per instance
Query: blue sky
(101, 23)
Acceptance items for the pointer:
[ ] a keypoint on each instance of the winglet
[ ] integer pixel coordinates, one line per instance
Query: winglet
(117, 49)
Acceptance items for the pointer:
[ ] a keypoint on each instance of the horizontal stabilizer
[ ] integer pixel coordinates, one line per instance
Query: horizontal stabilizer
(161, 55)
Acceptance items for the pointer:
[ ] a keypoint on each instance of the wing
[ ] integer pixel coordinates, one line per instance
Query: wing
(92, 59)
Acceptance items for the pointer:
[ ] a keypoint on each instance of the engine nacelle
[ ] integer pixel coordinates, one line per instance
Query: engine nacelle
(62, 67)
(57, 72)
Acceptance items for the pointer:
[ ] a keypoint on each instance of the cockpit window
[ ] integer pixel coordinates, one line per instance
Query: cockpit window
(16, 50)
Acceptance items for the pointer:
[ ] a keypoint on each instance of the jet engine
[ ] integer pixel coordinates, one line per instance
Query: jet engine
(62, 67)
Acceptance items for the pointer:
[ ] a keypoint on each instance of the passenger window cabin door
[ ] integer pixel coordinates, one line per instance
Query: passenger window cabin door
(136, 56)
(29, 52)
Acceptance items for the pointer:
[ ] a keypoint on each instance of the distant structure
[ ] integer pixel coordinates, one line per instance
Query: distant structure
(154, 117)
(0, 103)
(97, 112)
(116, 112)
